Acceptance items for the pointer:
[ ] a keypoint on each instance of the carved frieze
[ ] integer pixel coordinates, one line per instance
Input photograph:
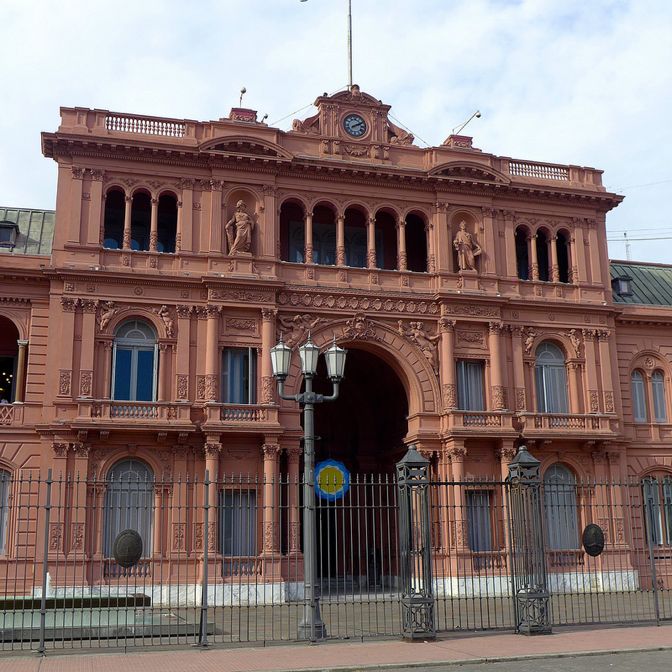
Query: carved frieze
(358, 302)
(295, 329)
(415, 332)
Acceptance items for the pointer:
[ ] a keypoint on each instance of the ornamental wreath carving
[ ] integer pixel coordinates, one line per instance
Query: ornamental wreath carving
(360, 328)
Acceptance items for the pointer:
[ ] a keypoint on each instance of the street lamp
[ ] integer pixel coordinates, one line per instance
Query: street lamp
(311, 627)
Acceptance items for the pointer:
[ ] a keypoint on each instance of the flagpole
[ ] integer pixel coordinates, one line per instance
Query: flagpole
(350, 45)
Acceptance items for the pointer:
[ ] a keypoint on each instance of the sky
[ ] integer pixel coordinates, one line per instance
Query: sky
(583, 82)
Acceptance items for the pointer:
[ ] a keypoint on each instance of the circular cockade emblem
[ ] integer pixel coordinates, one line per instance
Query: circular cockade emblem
(593, 540)
(127, 548)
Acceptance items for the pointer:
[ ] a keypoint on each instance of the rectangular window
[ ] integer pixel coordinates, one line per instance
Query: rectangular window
(122, 374)
(551, 389)
(638, 398)
(238, 522)
(652, 511)
(470, 385)
(658, 388)
(479, 523)
(5, 481)
(239, 376)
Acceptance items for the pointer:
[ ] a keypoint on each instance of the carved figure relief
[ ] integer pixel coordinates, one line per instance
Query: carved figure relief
(467, 248)
(528, 341)
(239, 231)
(295, 329)
(360, 328)
(164, 314)
(575, 340)
(417, 334)
(107, 312)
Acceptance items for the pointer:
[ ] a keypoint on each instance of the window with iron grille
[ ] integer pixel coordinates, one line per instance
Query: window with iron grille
(562, 512)
(479, 520)
(238, 522)
(658, 509)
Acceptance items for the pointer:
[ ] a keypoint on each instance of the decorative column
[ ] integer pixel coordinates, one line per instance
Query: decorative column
(182, 358)
(19, 386)
(579, 269)
(605, 369)
(591, 382)
(67, 338)
(457, 452)
(574, 376)
(268, 316)
(294, 513)
(555, 269)
(87, 351)
(447, 362)
(532, 240)
(75, 214)
(153, 225)
(94, 225)
(212, 450)
(185, 216)
(510, 243)
(107, 369)
(128, 205)
(271, 455)
(212, 352)
(164, 366)
(216, 216)
(402, 260)
(431, 257)
(340, 240)
(371, 243)
(519, 387)
(498, 391)
(489, 257)
(308, 238)
(179, 227)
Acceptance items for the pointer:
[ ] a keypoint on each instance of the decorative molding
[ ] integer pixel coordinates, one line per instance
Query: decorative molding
(449, 395)
(359, 302)
(360, 328)
(64, 382)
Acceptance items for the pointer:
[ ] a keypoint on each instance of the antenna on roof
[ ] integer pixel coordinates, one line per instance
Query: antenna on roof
(243, 91)
(458, 129)
(627, 245)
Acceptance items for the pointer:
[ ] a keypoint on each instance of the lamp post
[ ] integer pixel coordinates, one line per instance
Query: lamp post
(311, 627)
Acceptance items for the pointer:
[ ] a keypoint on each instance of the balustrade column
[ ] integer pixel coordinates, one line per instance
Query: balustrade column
(20, 384)
(605, 369)
(532, 241)
(447, 362)
(497, 389)
(271, 453)
(402, 259)
(555, 268)
(591, 381)
(371, 243)
(212, 353)
(340, 240)
(308, 238)
(293, 485)
(519, 387)
(128, 205)
(268, 316)
(154, 225)
(574, 373)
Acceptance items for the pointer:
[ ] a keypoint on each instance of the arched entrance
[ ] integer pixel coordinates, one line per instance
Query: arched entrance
(8, 360)
(365, 429)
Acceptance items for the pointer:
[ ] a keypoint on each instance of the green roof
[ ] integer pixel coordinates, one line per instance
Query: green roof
(36, 230)
(651, 284)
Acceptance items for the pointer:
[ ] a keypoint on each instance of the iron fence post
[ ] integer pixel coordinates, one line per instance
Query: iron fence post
(45, 565)
(531, 596)
(203, 625)
(415, 545)
(648, 530)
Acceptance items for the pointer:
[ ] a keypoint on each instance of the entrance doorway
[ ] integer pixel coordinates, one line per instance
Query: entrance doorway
(365, 430)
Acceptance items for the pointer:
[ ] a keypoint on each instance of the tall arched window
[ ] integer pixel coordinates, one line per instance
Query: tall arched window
(113, 221)
(522, 257)
(542, 255)
(141, 214)
(551, 379)
(166, 224)
(134, 362)
(416, 243)
(5, 483)
(638, 396)
(562, 247)
(562, 515)
(129, 504)
(658, 392)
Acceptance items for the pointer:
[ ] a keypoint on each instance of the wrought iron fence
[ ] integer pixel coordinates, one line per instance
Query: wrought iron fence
(222, 561)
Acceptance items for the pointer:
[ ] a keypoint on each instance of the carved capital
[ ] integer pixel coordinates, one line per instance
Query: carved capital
(212, 449)
(495, 328)
(269, 314)
(446, 325)
(270, 451)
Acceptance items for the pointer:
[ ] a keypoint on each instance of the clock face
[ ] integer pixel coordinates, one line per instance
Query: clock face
(354, 125)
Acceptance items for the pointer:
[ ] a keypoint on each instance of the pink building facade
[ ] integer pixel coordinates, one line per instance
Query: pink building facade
(473, 292)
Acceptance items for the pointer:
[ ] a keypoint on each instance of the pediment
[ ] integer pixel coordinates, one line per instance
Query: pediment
(467, 170)
(246, 146)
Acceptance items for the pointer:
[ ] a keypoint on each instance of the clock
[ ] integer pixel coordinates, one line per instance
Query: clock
(354, 125)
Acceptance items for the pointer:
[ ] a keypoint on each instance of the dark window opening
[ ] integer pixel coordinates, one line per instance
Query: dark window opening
(386, 241)
(355, 238)
(292, 233)
(9, 352)
(239, 376)
(416, 244)
(542, 255)
(113, 227)
(166, 224)
(324, 236)
(141, 213)
(522, 257)
(563, 257)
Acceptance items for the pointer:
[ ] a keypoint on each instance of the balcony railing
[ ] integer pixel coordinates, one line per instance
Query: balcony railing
(482, 419)
(113, 570)
(7, 413)
(247, 565)
(106, 409)
(243, 413)
(126, 123)
(561, 422)
(543, 171)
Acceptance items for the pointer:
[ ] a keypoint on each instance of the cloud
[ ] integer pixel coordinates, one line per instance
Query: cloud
(569, 82)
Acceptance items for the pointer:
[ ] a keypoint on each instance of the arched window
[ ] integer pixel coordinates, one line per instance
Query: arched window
(658, 392)
(166, 224)
(9, 361)
(324, 236)
(522, 257)
(5, 483)
(292, 233)
(113, 221)
(562, 247)
(416, 244)
(551, 379)
(562, 515)
(542, 255)
(141, 214)
(638, 396)
(386, 241)
(129, 504)
(134, 362)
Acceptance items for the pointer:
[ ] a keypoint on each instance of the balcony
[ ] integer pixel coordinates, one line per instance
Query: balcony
(240, 416)
(568, 424)
(480, 422)
(107, 413)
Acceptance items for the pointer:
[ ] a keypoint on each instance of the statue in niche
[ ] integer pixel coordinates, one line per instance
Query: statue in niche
(239, 231)
(467, 249)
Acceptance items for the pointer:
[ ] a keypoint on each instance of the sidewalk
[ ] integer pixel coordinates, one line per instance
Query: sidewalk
(355, 656)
